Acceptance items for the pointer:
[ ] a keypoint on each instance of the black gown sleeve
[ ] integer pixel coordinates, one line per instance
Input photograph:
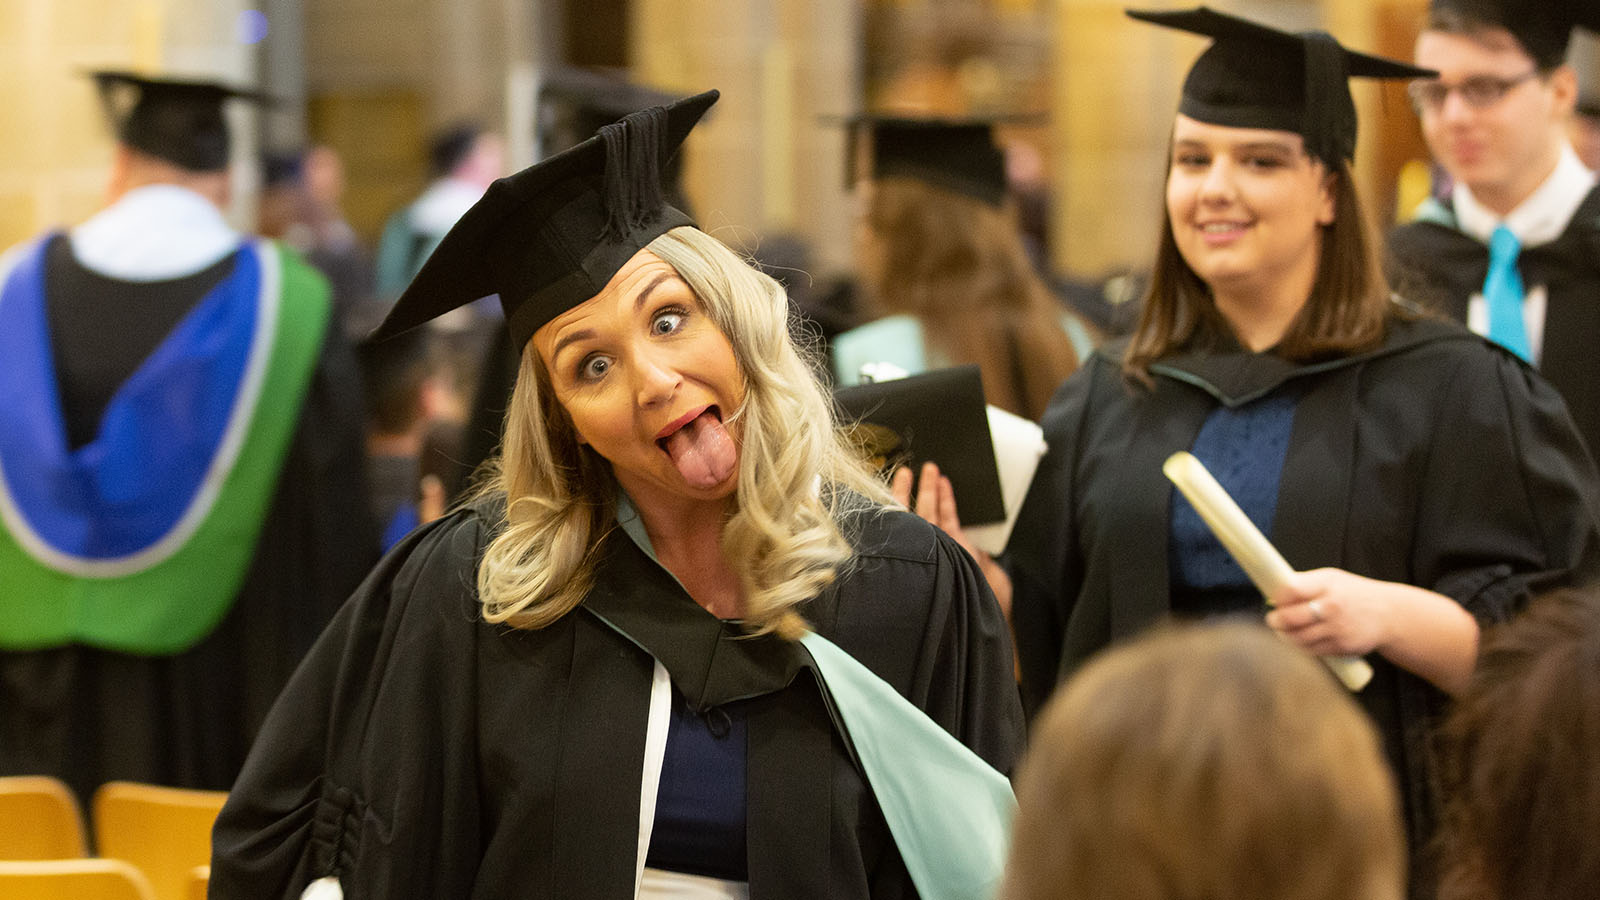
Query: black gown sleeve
(916, 610)
(366, 766)
(1510, 506)
(1042, 556)
(972, 684)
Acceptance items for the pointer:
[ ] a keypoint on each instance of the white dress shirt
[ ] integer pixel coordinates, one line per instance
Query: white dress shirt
(1539, 219)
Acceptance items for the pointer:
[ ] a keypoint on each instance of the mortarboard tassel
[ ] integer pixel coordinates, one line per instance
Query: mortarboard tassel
(634, 150)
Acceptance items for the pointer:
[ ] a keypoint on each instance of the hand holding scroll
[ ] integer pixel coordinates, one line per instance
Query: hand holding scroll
(1266, 568)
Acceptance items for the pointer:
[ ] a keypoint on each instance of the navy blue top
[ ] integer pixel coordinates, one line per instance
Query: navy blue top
(700, 805)
(1244, 447)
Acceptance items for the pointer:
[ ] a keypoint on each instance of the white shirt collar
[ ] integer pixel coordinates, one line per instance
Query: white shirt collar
(154, 233)
(443, 204)
(1539, 219)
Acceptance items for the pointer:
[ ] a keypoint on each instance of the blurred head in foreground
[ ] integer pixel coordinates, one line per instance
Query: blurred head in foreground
(1205, 762)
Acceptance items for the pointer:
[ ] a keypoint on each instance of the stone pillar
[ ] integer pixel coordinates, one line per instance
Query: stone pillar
(764, 162)
(283, 74)
(54, 164)
(1117, 87)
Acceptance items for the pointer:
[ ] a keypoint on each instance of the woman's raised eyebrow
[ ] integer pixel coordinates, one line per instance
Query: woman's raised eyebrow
(644, 295)
(583, 334)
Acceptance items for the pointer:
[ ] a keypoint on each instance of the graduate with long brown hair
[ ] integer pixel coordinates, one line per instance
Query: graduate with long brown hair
(1419, 479)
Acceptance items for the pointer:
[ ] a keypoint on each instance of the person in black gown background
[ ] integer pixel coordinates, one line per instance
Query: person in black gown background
(1519, 200)
(1419, 479)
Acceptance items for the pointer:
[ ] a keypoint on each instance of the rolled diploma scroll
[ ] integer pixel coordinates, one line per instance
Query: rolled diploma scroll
(1267, 568)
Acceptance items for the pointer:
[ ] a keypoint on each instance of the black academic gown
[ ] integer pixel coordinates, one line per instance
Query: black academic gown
(1437, 460)
(1436, 263)
(90, 716)
(420, 752)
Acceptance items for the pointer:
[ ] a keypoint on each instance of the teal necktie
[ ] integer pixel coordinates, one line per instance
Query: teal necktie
(1502, 290)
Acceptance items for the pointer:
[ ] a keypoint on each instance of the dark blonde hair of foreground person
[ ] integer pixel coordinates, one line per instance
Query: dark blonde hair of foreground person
(1522, 760)
(1205, 762)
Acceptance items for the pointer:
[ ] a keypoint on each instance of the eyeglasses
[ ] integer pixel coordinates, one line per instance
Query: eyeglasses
(1478, 92)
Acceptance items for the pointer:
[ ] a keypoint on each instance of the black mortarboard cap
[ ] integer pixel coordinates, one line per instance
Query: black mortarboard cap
(1543, 27)
(551, 236)
(938, 416)
(177, 120)
(596, 97)
(955, 154)
(1256, 76)
(576, 102)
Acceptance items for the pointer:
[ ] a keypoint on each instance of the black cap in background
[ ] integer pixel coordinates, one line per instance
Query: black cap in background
(177, 120)
(938, 416)
(958, 155)
(1256, 76)
(551, 236)
(596, 97)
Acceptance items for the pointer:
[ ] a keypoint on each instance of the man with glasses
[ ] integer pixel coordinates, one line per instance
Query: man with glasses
(1513, 249)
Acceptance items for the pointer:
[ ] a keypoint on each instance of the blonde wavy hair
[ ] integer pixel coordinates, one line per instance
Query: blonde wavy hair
(798, 483)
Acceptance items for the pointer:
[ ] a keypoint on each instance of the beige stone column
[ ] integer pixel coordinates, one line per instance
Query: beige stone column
(1116, 87)
(764, 162)
(57, 145)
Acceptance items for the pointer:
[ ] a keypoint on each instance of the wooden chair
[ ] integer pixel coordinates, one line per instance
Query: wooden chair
(199, 882)
(165, 832)
(39, 819)
(73, 879)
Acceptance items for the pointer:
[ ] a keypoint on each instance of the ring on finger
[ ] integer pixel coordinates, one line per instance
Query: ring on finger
(1315, 609)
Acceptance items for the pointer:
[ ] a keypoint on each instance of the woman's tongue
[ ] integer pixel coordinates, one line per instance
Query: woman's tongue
(703, 451)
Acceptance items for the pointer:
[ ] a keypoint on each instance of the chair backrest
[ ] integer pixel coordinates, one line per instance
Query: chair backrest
(199, 882)
(39, 819)
(163, 831)
(73, 879)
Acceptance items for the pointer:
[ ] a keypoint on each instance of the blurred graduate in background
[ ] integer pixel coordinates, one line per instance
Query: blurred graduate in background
(182, 495)
(944, 268)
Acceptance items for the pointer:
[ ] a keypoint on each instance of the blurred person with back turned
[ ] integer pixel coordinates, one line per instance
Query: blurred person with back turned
(682, 645)
(401, 394)
(1209, 761)
(182, 492)
(943, 265)
(1418, 481)
(1514, 251)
